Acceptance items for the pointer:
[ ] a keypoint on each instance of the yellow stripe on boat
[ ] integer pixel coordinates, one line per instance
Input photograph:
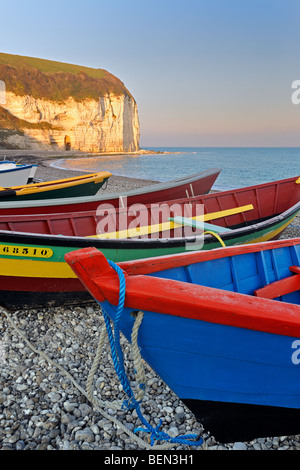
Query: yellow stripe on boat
(270, 235)
(58, 184)
(148, 229)
(32, 268)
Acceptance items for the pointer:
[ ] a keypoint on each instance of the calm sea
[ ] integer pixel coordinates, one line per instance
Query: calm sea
(240, 166)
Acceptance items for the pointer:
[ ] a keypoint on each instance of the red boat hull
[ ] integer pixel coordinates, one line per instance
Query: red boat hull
(194, 185)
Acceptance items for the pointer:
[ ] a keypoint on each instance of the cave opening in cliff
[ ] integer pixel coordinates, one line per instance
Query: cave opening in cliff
(67, 143)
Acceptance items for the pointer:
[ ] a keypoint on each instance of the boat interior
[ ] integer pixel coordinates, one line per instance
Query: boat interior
(271, 274)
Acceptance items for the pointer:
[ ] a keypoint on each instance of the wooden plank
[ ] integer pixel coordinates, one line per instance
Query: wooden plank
(148, 229)
(279, 288)
(136, 231)
(262, 268)
(224, 213)
(199, 224)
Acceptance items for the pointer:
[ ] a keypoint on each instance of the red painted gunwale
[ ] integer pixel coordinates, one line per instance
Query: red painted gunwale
(185, 300)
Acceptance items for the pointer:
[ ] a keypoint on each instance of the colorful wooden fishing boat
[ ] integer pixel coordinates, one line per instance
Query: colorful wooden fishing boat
(15, 174)
(220, 327)
(85, 185)
(188, 186)
(32, 247)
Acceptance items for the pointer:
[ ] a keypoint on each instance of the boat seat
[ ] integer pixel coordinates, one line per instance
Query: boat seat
(199, 224)
(281, 287)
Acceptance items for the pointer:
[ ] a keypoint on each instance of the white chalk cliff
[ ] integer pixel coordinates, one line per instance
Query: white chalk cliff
(110, 124)
(50, 104)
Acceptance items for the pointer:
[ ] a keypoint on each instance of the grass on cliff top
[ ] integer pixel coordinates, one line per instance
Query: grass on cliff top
(56, 81)
(48, 66)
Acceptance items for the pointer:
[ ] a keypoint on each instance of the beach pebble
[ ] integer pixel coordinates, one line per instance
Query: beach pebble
(173, 432)
(86, 435)
(239, 446)
(54, 397)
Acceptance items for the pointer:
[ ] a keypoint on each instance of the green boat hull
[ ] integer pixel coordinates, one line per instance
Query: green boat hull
(86, 189)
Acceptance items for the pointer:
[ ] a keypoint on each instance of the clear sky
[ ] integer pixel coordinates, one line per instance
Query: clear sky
(203, 72)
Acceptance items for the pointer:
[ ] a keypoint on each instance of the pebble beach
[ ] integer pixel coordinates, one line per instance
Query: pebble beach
(46, 356)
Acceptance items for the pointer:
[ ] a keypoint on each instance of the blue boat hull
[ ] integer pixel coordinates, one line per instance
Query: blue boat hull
(239, 383)
(212, 331)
